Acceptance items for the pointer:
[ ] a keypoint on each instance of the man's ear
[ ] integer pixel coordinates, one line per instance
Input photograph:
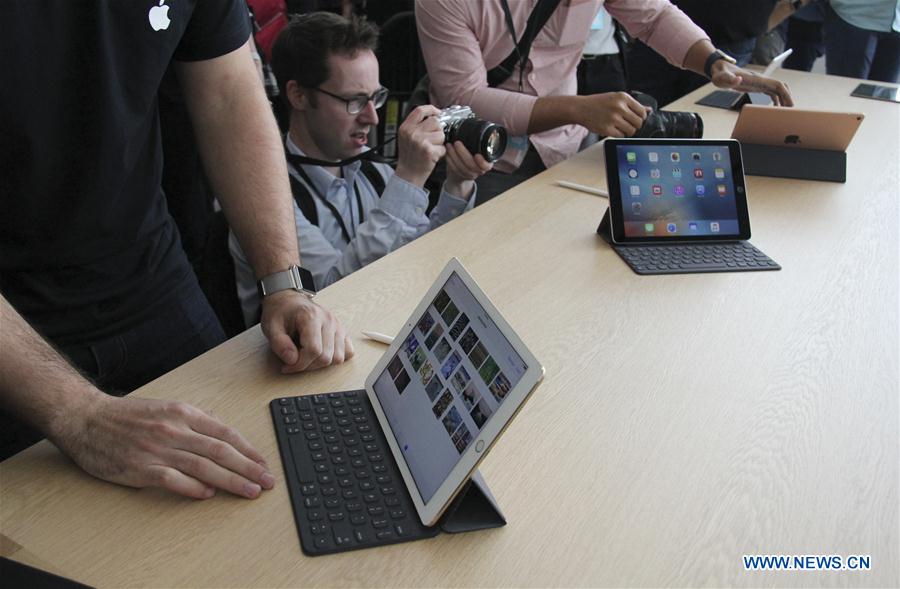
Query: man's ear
(296, 95)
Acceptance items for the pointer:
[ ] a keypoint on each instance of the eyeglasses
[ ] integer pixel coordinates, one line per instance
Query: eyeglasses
(356, 104)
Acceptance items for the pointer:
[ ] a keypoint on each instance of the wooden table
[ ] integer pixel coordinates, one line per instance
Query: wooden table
(684, 421)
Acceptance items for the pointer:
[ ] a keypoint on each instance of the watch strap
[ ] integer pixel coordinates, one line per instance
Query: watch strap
(713, 58)
(294, 278)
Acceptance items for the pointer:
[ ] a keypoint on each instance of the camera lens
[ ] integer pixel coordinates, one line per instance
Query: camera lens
(480, 136)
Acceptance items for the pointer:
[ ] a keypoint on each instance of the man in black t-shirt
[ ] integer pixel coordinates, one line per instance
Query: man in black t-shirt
(89, 255)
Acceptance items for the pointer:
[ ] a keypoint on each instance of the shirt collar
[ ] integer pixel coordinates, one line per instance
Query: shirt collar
(322, 180)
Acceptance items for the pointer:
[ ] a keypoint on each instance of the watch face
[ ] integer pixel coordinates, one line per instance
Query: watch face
(306, 279)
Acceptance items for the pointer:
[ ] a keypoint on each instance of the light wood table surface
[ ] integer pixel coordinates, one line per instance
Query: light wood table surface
(684, 420)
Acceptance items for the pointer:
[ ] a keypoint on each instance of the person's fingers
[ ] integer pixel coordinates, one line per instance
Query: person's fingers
(348, 347)
(310, 344)
(206, 471)
(340, 339)
(484, 166)
(632, 119)
(279, 339)
(423, 112)
(327, 354)
(464, 159)
(217, 463)
(635, 107)
(171, 479)
(213, 428)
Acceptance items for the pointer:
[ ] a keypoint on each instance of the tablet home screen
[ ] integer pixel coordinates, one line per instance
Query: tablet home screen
(445, 383)
(677, 190)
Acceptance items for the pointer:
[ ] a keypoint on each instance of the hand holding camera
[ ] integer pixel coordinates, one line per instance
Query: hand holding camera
(420, 145)
(613, 114)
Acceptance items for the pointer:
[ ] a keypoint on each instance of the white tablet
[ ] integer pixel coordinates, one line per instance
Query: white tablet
(447, 387)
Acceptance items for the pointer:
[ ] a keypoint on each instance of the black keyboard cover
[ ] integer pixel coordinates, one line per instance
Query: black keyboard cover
(738, 256)
(345, 487)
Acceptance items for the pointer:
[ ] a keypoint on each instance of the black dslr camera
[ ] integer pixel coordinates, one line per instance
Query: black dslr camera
(477, 135)
(667, 124)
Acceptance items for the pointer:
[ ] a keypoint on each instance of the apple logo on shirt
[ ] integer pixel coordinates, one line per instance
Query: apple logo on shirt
(159, 16)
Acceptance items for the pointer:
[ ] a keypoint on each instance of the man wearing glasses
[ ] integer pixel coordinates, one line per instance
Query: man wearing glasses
(352, 213)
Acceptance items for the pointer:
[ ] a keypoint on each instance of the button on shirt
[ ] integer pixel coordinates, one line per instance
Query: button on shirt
(462, 39)
(394, 219)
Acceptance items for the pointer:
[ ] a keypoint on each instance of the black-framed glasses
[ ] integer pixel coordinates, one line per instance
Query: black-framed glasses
(356, 104)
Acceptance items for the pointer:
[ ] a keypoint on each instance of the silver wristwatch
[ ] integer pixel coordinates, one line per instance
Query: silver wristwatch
(294, 278)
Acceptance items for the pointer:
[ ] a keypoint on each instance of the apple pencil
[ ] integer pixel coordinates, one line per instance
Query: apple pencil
(379, 337)
(776, 61)
(583, 188)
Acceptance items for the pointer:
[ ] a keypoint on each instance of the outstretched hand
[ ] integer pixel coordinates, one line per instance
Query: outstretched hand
(171, 445)
(732, 77)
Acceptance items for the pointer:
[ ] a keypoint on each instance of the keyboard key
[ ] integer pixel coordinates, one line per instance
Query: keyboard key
(376, 510)
(384, 534)
(357, 519)
(312, 502)
(329, 491)
(342, 534)
(314, 515)
(354, 506)
(397, 514)
(337, 516)
(317, 529)
(359, 535)
(392, 501)
(332, 503)
(321, 542)
(379, 523)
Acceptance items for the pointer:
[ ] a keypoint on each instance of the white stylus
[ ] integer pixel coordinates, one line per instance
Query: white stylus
(379, 337)
(583, 188)
(776, 62)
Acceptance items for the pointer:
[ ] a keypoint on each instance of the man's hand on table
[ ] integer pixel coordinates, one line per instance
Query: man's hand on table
(287, 315)
(153, 443)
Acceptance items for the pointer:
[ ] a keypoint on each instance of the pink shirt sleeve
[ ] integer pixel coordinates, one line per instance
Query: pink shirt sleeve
(659, 24)
(457, 68)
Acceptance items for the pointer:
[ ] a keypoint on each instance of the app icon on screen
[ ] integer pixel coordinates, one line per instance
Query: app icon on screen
(717, 157)
(631, 157)
(656, 189)
(636, 208)
(700, 189)
(654, 172)
(635, 190)
(653, 156)
(671, 228)
(632, 173)
(675, 156)
(695, 156)
(676, 172)
(720, 173)
(698, 172)
(679, 190)
(722, 189)
(648, 227)
(692, 226)
(714, 226)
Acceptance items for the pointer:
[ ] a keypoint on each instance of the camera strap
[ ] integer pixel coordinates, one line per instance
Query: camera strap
(539, 16)
(370, 155)
(303, 192)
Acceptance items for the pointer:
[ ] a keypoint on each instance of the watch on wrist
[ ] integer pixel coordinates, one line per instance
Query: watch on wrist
(713, 58)
(294, 278)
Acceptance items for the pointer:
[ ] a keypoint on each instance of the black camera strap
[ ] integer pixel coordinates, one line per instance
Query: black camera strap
(539, 16)
(303, 192)
(368, 155)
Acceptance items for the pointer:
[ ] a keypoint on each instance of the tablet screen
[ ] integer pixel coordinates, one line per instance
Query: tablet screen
(447, 380)
(678, 191)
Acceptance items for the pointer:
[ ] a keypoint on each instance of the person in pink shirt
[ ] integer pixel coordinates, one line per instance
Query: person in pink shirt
(462, 40)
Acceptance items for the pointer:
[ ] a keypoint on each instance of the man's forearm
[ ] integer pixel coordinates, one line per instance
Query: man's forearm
(243, 157)
(550, 112)
(696, 56)
(37, 385)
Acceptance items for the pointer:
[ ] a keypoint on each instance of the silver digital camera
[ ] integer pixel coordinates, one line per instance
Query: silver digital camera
(477, 135)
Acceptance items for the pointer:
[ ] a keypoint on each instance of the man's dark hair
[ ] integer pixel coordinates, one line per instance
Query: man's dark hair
(302, 48)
